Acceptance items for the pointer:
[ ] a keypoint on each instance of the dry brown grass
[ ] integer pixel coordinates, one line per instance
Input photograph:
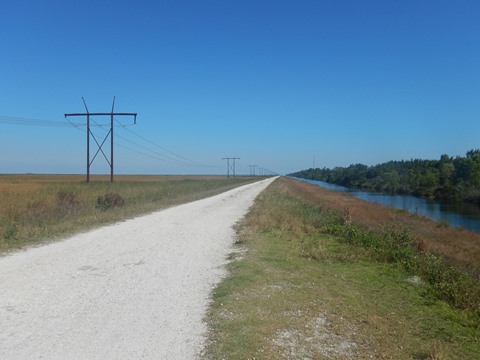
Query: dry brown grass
(460, 247)
(34, 208)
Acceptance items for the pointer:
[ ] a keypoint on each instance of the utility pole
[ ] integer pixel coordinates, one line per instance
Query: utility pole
(228, 165)
(252, 170)
(110, 133)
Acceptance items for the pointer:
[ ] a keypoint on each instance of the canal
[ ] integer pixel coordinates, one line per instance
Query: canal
(466, 216)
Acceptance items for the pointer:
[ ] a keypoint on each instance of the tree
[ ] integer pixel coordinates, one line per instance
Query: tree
(445, 179)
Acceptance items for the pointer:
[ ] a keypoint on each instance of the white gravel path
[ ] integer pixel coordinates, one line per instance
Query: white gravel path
(138, 289)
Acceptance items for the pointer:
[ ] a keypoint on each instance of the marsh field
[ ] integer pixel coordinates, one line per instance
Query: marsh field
(39, 208)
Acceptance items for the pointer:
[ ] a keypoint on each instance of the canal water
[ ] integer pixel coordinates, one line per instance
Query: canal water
(466, 215)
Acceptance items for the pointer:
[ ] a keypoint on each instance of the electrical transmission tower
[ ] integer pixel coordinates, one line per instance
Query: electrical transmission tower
(232, 167)
(100, 145)
(252, 169)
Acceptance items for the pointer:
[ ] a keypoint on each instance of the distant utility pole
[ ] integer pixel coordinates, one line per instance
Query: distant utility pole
(228, 165)
(110, 133)
(252, 170)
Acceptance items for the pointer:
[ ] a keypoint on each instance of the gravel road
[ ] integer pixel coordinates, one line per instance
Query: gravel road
(138, 289)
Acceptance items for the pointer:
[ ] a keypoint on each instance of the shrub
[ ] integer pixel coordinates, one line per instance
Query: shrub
(68, 203)
(109, 201)
(10, 233)
(36, 213)
(397, 246)
(450, 283)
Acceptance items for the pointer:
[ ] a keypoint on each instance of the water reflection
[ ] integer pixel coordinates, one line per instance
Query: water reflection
(466, 216)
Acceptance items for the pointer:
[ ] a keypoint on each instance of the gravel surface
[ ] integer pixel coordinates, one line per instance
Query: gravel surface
(138, 289)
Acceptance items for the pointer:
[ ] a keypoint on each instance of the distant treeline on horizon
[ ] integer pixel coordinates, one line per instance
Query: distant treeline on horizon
(448, 179)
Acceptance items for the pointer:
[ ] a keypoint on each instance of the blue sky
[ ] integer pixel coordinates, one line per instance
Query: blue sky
(274, 83)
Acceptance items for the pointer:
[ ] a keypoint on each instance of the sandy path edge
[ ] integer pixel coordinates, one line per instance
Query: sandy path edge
(138, 289)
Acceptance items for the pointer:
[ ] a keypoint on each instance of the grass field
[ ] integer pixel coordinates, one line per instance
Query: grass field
(317, 276)
(38, 208)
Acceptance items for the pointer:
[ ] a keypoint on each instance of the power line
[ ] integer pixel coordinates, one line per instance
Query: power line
(35, 122)
(184, 160)
(170, 157)
(252, 169)
(110, 133)
(161, 156)
(228, 165)
(181, 161)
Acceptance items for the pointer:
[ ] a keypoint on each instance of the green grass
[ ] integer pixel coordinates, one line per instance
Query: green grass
(298, 291)
(35, 209)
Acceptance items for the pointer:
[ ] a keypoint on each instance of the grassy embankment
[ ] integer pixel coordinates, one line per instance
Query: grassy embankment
(35, 208)
(321, 275)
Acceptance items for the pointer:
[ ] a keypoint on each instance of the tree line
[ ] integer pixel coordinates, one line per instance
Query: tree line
(447, 179)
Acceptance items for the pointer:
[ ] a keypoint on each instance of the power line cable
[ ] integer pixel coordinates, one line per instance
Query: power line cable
(174, 159)
(157, 155)
(179, 160)
(190, 161)
(162, 156)
(144, 154)
(34, 122)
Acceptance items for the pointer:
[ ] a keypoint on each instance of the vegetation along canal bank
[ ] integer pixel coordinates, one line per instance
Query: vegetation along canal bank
(462, 215)
(321, 274)
(37, 208)
(447, 179)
